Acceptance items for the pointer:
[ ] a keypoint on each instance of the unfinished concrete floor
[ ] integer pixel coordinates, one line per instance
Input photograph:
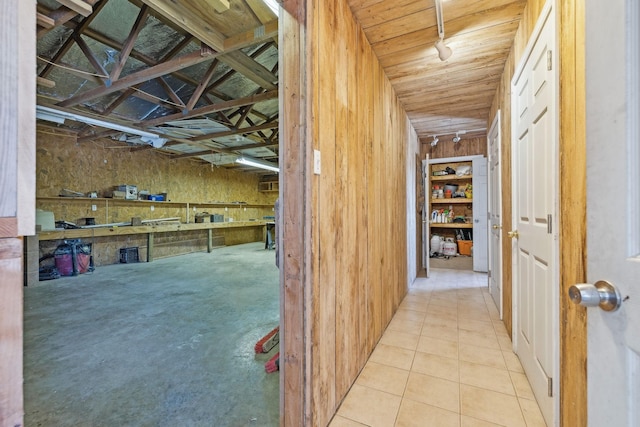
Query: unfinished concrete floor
(167, 343)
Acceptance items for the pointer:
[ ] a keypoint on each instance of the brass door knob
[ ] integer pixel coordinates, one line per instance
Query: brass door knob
(513, 234)
(496, 227)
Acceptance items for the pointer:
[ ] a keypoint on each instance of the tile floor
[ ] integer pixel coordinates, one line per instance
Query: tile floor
(445, 360)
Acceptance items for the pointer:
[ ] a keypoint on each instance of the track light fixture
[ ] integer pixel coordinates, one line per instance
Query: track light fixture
(444, 51)
(435, 141)
(456, 138)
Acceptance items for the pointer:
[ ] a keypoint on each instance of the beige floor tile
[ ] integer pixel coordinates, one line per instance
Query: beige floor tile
(415, 414)
(383, 378)
(522, 386)
(505, 342)
(466, 421)
(473, 313)
(437, 312)
(400, 339)
(500, 329)
(437, 366)
(410, 315)
(486, 377)
(532, 414)
(481, 355)
(392, 356)
(448, 333)
(477, 339)
(512, 361)
(339, 421)
(409, 326)
(438, 347)
(433, 391)
(487, 405)
(439, 320)
(476, 326)
(371, 407)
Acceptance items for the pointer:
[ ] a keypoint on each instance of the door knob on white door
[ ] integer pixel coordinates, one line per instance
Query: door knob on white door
(513, 234)
(496, 227)
(603, 294)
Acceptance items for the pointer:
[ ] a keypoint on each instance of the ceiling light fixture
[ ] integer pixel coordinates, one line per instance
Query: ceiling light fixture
(59, 116)
(456, 138)
(444, 51)
(248, 161)
(435, 141)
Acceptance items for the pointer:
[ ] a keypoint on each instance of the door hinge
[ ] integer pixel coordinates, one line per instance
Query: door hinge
(549, 224)
(550, 386)
(549, 63)
(489, 274)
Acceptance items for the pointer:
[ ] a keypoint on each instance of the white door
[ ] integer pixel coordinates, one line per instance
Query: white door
(480, 219)
(495, 212)
(534, 198)
(613, 208)
(426, 231)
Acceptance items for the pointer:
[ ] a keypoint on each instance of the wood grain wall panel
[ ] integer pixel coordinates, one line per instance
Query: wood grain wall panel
(11, 400)
(573, 222)
(349, 221)
(573, 387)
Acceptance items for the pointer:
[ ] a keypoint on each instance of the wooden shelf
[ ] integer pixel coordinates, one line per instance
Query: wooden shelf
(450, 177)
(450, 225)
(151, 202)
(269, 186)
(457, 200)
(143, 229)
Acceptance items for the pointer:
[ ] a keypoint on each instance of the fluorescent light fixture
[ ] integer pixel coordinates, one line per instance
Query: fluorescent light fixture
(273, 5)
(248, 161)
(59, 116)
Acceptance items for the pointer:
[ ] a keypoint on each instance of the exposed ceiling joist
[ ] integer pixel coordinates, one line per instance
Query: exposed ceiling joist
(78, 6)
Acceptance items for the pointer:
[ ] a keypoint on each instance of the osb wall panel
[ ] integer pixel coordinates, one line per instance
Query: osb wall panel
(62, 163)
(101, 165)
(573, 381)
(359, 228)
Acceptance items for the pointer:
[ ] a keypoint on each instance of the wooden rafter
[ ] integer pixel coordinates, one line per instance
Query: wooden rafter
(127, 47)
(221, 106)
(169, 90)
(241, 131)
(92, 58)
(204, 81)
(69, 42)
(78, 6)
(141, 76)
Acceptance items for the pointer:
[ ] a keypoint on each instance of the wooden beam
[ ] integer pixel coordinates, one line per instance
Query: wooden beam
(169, 90)
(141, 76)
(250, 68)
(97, 65)
(220, 106)
(251, 37)
(45, 82)
(232, 132)
(44, 21)
(127, 47)
(221, 5)
(204, 81)
(189, 21)
(77, 6)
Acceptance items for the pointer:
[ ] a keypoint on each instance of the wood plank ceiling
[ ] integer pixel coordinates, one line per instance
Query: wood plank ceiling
(202, 74)
(442, 97)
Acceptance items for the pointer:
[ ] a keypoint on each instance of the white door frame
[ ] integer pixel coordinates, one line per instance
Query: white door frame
(495, 128)
(549, 11)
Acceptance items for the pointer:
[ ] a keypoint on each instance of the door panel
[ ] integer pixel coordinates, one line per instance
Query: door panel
(480, 220)
(495, 214)
(535, 176)
(613, 208)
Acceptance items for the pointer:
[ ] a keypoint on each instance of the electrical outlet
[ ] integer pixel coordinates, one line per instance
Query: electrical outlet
(153, 208)
(316, 162)
(94, 208)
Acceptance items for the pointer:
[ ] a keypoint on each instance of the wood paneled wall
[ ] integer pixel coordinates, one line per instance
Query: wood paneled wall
(573, 381)
(355, 213)
(17, 191)
(468, 146)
